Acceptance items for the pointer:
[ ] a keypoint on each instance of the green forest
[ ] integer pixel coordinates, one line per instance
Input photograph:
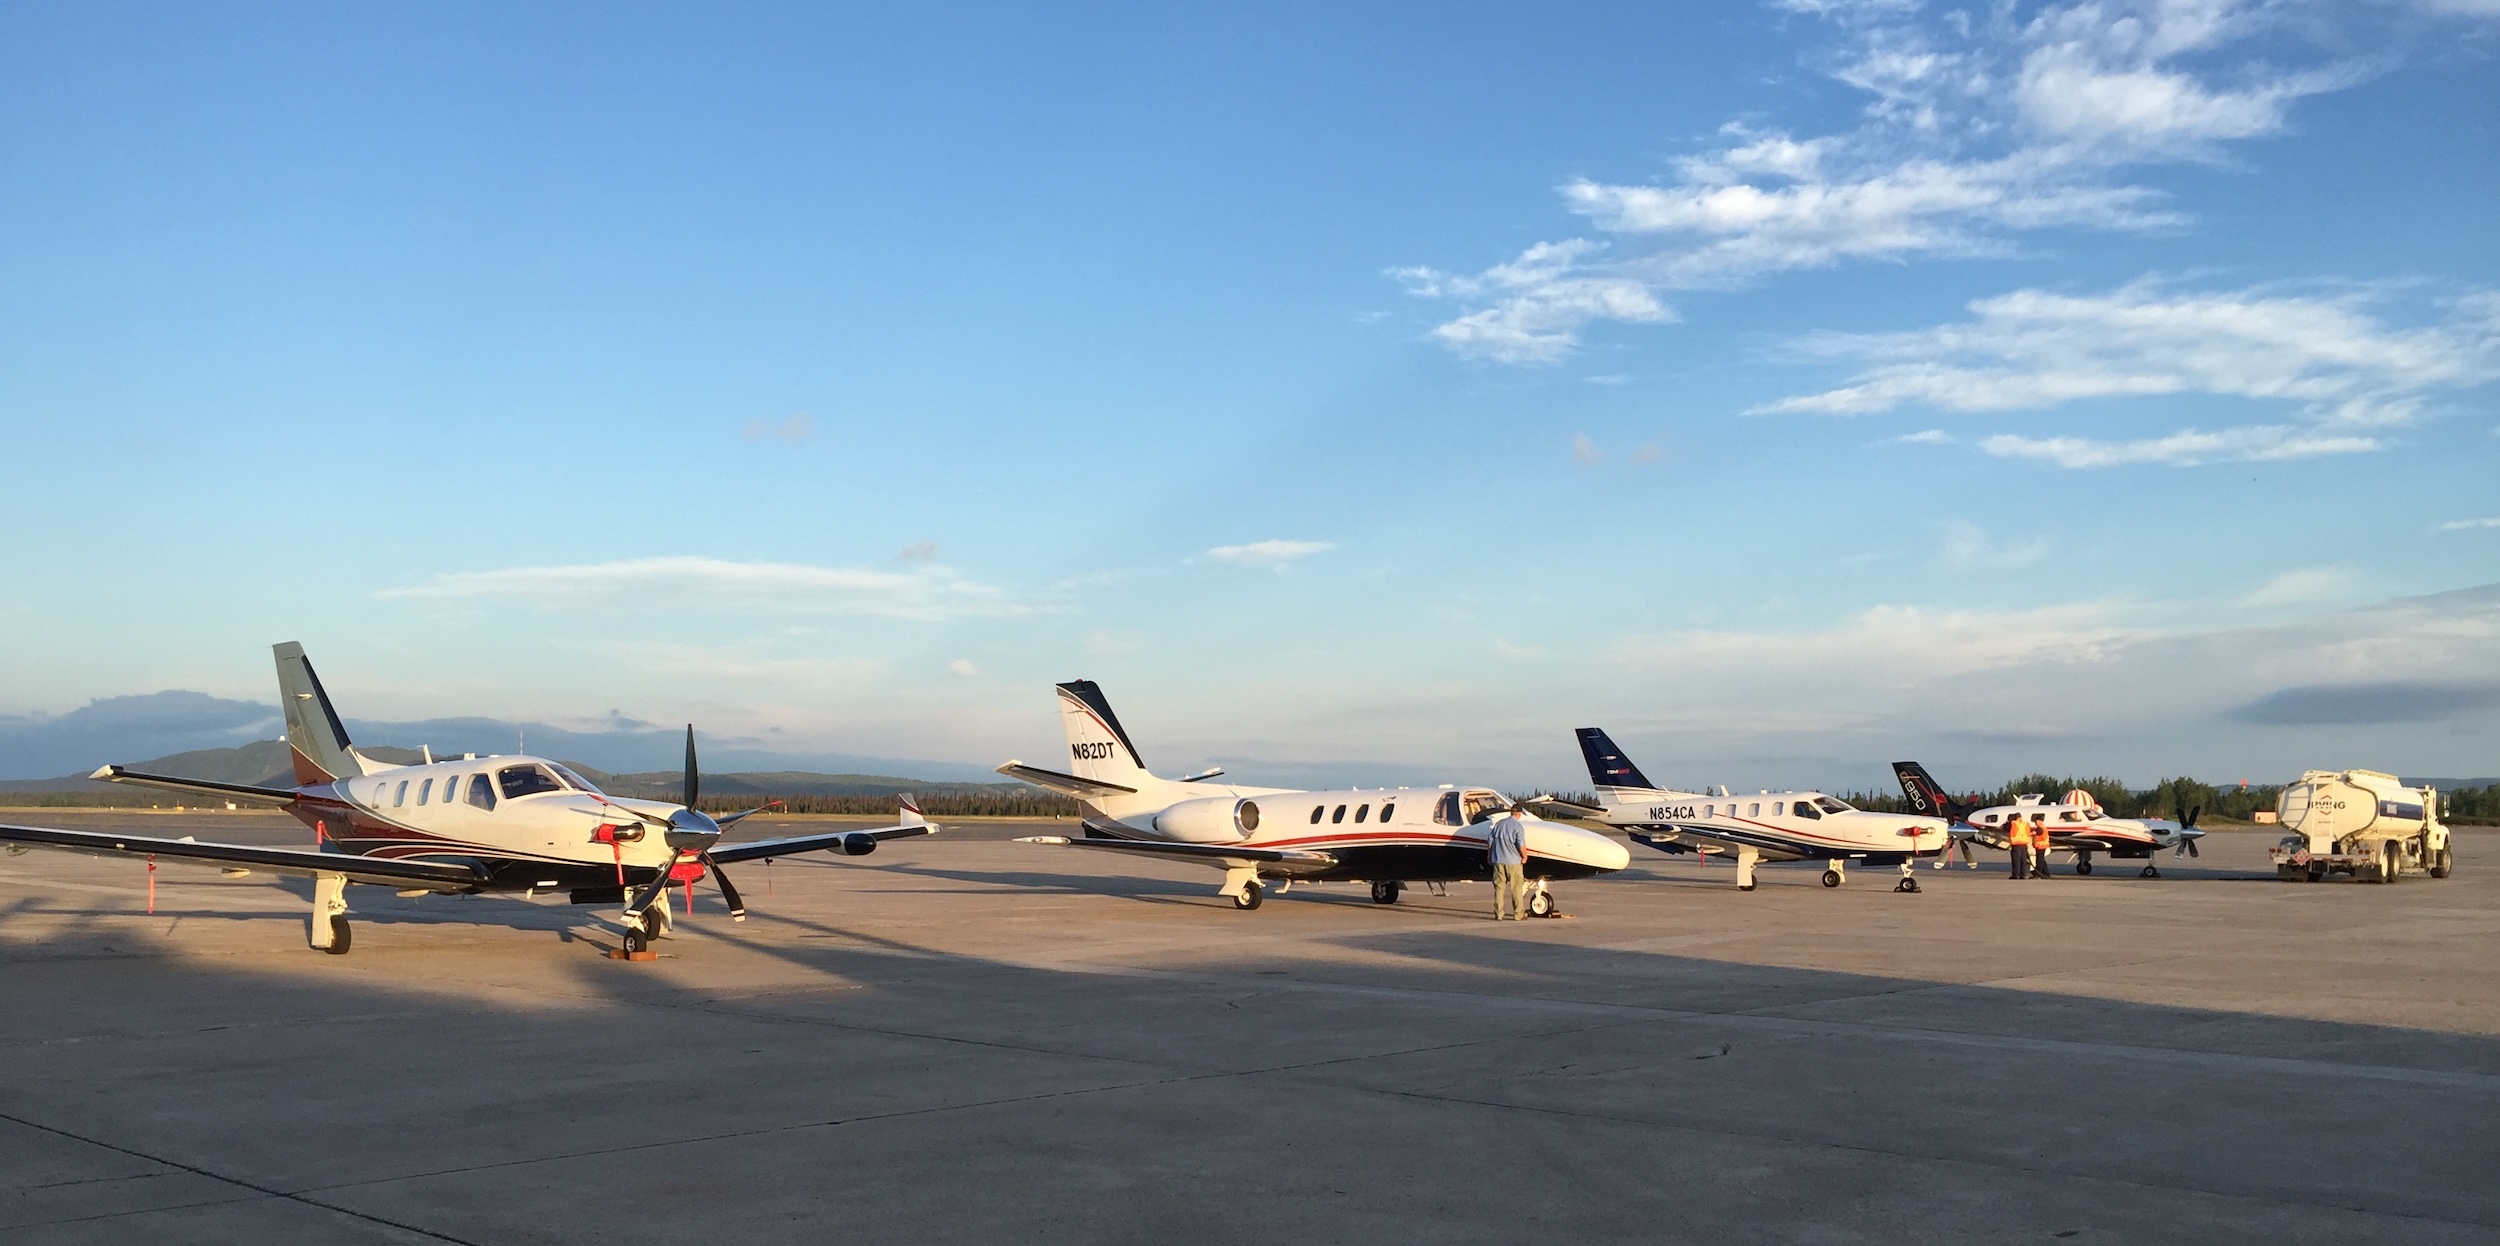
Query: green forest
(2172, 798)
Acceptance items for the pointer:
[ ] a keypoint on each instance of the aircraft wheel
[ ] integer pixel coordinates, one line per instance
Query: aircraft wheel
(2083, 866)
(1250, 897)
(1831, 878)
(2442, 865)
(2150, 871)
(1744, 886)
(656, 920)
(1386, 893)
(1906, 884)
(339, 936)
(635, 940)
(1540, 905)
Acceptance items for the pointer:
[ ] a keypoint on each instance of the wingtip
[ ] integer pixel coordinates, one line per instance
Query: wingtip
(1043, 839)
(104, 773)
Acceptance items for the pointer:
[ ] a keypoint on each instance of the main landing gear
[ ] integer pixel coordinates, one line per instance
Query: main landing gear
(1746, 859)
(1386, 893)
(330, 931)
(2083, 865)
(1249, 897)
(2150, 871)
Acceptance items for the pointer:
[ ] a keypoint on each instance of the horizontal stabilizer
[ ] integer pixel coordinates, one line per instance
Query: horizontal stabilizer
(836, 841)
(1212, 854)
(171, 783)
(385, 871)
(1064, 784)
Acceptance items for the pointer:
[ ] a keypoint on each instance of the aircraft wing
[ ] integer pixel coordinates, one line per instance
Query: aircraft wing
(1064, 784)
(383, 871)
(1212, 854)
(227, 791)
(796, 844)
(1967, 833)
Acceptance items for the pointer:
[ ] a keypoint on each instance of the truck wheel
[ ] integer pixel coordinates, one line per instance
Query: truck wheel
(2442, 865)
(2317, 873)
(2393, 854)
(2289, 873)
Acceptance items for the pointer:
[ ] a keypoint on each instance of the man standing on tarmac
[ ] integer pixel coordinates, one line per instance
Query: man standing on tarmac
(2040, 845)
(1506, 847)
(2018, 836)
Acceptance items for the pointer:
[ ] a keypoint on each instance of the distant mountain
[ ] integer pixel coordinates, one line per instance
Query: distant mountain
(163, 724)
(266, 763)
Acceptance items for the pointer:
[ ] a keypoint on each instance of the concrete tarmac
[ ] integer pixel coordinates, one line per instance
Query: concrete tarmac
(963, 1039)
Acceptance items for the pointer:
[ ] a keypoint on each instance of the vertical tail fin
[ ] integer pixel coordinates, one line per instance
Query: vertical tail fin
(1608, 767)
(313, 730)
(1098, 748)
(1926, 796)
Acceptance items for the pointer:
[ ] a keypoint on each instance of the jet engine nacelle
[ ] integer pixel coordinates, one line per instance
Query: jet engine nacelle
(1212, 820)
(858, 845)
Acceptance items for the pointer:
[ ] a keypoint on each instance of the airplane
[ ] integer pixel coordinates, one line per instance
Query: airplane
(1390, 837)
(464, 826)
(2075, 823)
(1764, 826)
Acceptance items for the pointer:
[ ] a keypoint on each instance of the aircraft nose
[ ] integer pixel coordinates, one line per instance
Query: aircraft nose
(1570, 843)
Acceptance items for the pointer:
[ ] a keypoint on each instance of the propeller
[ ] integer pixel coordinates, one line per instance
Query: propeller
(2188, 835)
(691, 832)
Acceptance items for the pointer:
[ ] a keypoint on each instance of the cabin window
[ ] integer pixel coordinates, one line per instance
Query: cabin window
(1805, 809)
(1362, 811)
(1709, 811)
(481, 792)
(400, 796)
(519, 781)
(424, 790)
(1989, 818)
(2070, 816)
(1338, 816)
(1446, 813)
(1754, 810)
(1775, 807)
(1387, 809)
(1317, 810)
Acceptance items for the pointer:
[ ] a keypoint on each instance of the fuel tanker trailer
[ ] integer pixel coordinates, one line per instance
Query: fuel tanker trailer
(2362, 823)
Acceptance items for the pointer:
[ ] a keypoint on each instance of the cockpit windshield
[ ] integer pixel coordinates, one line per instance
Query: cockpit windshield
(574, 780)
(1833, 806)
(1483, 805)
(517, 781)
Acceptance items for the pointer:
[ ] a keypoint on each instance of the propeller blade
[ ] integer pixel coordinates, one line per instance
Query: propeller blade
(728, 893)
(2189, 822)
(2193, 850)
(693, 786)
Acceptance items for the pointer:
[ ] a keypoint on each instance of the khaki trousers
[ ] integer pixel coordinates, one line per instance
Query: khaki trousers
(1510, 891)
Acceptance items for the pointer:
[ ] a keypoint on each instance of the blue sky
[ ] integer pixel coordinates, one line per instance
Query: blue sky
(1353, 391)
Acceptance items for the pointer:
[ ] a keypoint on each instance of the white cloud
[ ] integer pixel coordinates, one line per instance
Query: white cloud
(1584, 451)
(1966, 545)
(2347, 372)
(710, 583)
(1925, 437)
(798, 427)
(962, 666)
(2306, 586)
(2464, 525)
(2186, 448)
(2033, 349)
(1889, 646)
(1976, 130)
(1277, 554)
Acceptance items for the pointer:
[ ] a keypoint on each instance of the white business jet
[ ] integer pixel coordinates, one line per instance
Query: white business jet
(1387, 837)
(1765, 826)
(2075, 823)
(477, 824)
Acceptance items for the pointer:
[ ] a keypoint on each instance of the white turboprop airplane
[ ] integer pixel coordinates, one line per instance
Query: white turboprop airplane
(1387, 837)
(477, 824)
(2076, 823)
(1765, 826)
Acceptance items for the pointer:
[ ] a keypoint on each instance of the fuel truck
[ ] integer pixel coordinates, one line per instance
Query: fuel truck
(2362, 823)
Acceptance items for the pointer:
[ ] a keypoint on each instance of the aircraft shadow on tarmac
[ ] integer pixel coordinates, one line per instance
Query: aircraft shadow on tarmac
(1009, 1092)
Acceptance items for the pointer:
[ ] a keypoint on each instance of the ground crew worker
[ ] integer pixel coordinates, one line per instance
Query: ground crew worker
(1506, 848)
(2018, 843)
(2040, 845)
